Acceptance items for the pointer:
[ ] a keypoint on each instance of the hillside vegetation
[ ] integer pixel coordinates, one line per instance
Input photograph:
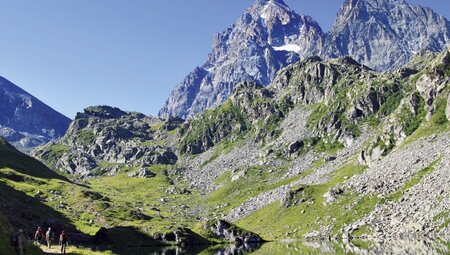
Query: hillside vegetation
(330, 149)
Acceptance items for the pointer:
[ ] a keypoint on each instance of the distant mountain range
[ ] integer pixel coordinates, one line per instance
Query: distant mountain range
(329, 150)
(25, 121)
(381, 34)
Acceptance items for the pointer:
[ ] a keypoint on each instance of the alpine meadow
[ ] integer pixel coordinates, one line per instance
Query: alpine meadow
(288, 139)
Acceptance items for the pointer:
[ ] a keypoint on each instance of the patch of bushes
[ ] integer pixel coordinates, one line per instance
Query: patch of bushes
(319, 112)
(85, 137)
(409, 120)
(55, 152)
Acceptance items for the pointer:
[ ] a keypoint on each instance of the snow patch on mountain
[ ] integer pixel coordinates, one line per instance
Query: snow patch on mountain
(288, 47)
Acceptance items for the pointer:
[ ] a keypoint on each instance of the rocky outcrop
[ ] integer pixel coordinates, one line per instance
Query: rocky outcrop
(143, 173)
(295, 146)
(433, 84)
(182, 237)
(397, 127)
(25, 121)
(332, 194)
(186, 237)
(102, 138)
(416, 107)
(249, 105)
(230, 233)
(293, 197)
(362, 93)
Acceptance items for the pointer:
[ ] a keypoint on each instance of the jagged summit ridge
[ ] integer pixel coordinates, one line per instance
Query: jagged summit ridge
(383, 35)
(380, 3)
(266, 2)
(264, 39)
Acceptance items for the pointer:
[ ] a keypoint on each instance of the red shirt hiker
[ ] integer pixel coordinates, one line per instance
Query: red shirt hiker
(63, 242)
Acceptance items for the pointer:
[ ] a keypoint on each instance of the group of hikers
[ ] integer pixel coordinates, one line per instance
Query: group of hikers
(41, 238)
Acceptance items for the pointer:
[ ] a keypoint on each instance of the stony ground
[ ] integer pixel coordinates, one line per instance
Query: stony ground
(202, 174)
(416, 210)
(299, 166)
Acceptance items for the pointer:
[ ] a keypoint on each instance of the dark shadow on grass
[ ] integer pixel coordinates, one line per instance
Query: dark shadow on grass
(27, 213)
(12, 158)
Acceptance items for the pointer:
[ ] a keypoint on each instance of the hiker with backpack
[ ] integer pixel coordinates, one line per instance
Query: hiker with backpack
(63, 242)
(49, 237)
(16, 240)
(39, 236)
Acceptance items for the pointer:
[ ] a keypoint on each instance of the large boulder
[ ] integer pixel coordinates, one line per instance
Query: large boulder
(143, 173)
(295, 146)
(331, 195)
(231, 233)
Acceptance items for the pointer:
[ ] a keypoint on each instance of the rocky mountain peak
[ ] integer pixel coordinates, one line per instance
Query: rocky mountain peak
(25, 121)
(104, 112)
(381, 3)
(266, 38)
(385, 34)
(268, 7)
(365, 9)
(265, 2)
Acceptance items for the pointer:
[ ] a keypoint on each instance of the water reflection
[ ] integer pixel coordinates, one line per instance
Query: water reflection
(357, 247)
(198, 249)
(438, 246)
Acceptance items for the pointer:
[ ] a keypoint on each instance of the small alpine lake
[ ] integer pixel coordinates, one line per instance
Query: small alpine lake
(425, 246)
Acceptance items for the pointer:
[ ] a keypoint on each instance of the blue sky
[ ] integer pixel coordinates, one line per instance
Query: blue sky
(124, 53)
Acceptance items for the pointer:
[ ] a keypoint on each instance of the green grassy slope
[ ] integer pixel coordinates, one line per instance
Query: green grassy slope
(33, 195)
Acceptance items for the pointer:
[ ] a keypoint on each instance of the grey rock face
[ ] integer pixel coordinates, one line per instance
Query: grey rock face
(291, 197)
(382, 34)
(143, 173)
(246, 107)
(102, 138)
(25, 121)
(433, 84)
(226, 231)
(385, 34)
(266, 38)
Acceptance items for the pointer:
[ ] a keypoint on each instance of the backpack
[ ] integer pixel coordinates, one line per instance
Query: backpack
(13, 240)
